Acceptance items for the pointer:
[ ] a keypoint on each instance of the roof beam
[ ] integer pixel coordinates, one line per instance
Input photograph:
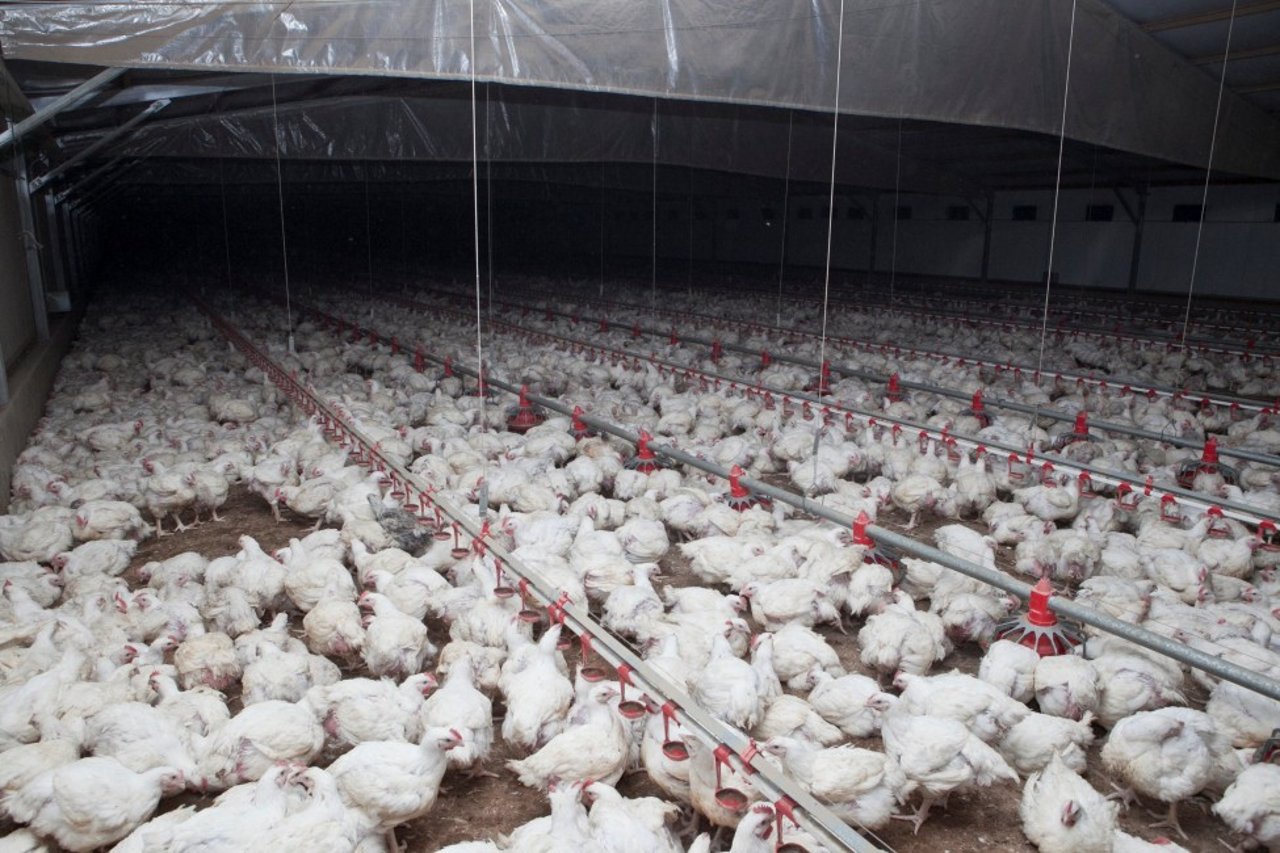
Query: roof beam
(1255, 53)
(1181, 21)
(107, 139)
(70, 99)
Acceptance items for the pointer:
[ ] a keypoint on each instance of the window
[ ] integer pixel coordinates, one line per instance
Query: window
(805, 213)
(1099, 212)
(903, 211)
(859, 213)
(1187, 212)
(1024, 213)
(958, 213)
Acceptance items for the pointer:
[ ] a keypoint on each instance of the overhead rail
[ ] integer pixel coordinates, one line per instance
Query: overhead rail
(882, 349)
(1053, 414)
(425, 500)
(62, 102)
(881, 536)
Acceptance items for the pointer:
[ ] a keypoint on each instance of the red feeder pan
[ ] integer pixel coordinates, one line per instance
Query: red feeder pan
(1079, 432)
(785, 807)
(1218, 524)
(823, 386)
(1039, 629)
(501, 589)
(881, 555)
(629, 708)
(645, 461)
(740, 497)
(527, 613)
(894, 391)
(977, 410)
(458, 551)
(674, 750)
(577, 426)
(589, 672)
(524, 418)
(732, 799)
(1207, 464)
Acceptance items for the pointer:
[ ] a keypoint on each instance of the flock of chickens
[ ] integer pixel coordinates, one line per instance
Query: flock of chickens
(299, 701)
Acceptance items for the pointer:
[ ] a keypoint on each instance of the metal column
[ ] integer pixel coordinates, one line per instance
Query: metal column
(27, 221)
(57, 249)
(986, 236)
(1138, 225)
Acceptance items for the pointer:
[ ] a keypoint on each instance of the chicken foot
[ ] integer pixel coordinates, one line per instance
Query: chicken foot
(1170, 821)
(1126, 795)
(918, 817)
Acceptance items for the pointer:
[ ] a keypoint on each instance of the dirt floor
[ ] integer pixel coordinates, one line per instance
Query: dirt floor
(483, 807)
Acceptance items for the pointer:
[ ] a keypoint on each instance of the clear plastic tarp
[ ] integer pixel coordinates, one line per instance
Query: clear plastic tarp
(991, 63)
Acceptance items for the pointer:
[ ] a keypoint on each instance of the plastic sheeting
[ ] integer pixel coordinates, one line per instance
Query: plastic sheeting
(981, 62)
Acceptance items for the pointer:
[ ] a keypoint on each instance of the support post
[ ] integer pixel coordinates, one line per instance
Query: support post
(70, 99)
(56, 251)
(27, 222)
(875, 227)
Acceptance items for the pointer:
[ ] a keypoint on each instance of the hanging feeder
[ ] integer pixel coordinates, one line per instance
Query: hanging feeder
(1085, 482)
(1038, 629)
(875, 553)
(1047, 477)
(441, 533)
(740, 497)
(556, 614)
(1079, 432)
(527, 614)
(1207, 464)
(1269, 751)
(1218, 527)
(448, 366)
(1266, 536)
(1169, 512)
(458, 552)
(524, 419)
(785, 808)
(1126, 497)
(978, 410)
(732, 799)
(893, 393)
(645, 461)
(577, 426)
(1018, 468)
(765, 359)
(717, 350)
(631, 709)
(674, 750)
(501, 589)
(822, 387)
(589, 671)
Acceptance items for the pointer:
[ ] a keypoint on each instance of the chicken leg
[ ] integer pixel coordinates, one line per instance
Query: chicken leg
(918, 817)
(1170, 821)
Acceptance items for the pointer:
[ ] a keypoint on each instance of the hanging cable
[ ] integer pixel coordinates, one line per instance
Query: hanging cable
(488, 197)
(602, 230)
(1057, 188)
(893, 249)
(1208, 170)
(831, 193)
(284, 240)
(653, 225)
(831, 207)
(786, 198)
(475, 216)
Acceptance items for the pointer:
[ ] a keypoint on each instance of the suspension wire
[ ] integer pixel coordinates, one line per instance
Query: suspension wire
(1057, 189)
(368, 234)
(475, 218)
(786, 199)
(893, 250)
(1208, 171)
(488, 198)
(284, 241)
(831, 192)
(831, 206)
(653, 225)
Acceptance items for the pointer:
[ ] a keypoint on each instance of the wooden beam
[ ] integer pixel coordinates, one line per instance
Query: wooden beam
(1181, 21)
(1255, 53)
(1268, 86)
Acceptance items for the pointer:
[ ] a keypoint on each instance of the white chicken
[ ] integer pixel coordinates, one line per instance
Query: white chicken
(92, 802)
(1062, 813)
(395, 645)
(459, 706)
(861, 786)
(596, 748)
(903, 638)
(1251, 806)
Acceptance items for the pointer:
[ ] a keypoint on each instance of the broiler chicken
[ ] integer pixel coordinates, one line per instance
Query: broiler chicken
(861, 786)
(596, 748)
(92, 802)
(395, 645)
(458, 705)
(1062, 813)
(1251, 806)
(903, 638)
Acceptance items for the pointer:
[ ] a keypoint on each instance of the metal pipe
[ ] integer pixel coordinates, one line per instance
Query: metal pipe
(57, 105)
(54, 173)
(993, 402)
(766, 777)
(31, 246)
(1069, 609)
(1136, 384)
